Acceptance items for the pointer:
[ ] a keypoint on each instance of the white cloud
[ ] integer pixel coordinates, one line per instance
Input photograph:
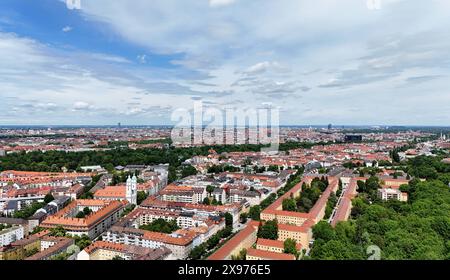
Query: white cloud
(327, 59)
(81, 106)
(67, 29)
(265, 66)
(218, 3)
(39, 87)
(142, 58)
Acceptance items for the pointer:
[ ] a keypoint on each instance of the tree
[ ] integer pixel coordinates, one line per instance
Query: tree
(210, 189)
(241, 256)
(87, 195)
(273, 168)
(331, 203)
(48, 198)
(87, 211)
(37, 230)
(227, 231)
(161, 225)
(395, 156)
(361, 186)
(141, 196)
(197, 252)
(336, 250)
(290, 247)
(268, 230)
(442, 226)
(269, 200)
(58, 231)
(228, 220)
(255, 212)
(417, 230)
(213, 241)
(324, 231)
(215, 202)
(29, 210)
(80, 215)
(109, 167)
(29, 253)
(243, 218)
(304, 204)
(188, 170)
(289, 204)
(128, 209)
(83, 241)
(206, 201)
(359, 206)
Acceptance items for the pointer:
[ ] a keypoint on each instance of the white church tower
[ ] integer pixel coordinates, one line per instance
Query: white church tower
(132, 190)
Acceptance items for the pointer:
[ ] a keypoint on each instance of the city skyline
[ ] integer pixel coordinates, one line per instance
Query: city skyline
(346, 63)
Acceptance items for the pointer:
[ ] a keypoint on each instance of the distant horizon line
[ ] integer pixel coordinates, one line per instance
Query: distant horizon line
(334, 126)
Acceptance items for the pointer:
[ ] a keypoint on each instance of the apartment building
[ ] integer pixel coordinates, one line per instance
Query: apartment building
(11, 234)
(262, 255)
(104, 215)
(242, 240)
(184, 194)
(253, 197)
(102, 250)
(392, 194)
(20, 249)
(51, 247)
(276, 246)
(179, 244)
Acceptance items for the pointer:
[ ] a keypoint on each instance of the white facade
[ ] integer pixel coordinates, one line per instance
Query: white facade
(389, 194)
(45, 244)
(131, 190)
(10, 235)
(192, 196)
(178, 251)
(220, 196)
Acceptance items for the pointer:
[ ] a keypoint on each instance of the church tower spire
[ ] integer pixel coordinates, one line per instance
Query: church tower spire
(131, 190)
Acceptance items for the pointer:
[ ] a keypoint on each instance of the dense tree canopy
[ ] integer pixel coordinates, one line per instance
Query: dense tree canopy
(419, 229)
(255, 212)
(268, 230)
(161, 225)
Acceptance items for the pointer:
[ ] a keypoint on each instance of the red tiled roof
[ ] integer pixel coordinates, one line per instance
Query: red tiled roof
(61, 218)
(223, 252)
(111, 191)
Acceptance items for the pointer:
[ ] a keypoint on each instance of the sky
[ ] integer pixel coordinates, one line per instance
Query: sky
(353, 62)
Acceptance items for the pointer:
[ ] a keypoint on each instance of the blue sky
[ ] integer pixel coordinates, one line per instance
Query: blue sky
(135, 62)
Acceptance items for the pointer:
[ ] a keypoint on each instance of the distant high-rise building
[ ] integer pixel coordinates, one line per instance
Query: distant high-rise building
(330, 126)
(119, 125)
(353, 138)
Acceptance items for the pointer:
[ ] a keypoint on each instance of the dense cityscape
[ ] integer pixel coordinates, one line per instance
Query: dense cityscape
(221, 139)
(129, 193)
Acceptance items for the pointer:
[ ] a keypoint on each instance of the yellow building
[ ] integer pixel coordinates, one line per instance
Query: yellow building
(20, 250)
(260, 255)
